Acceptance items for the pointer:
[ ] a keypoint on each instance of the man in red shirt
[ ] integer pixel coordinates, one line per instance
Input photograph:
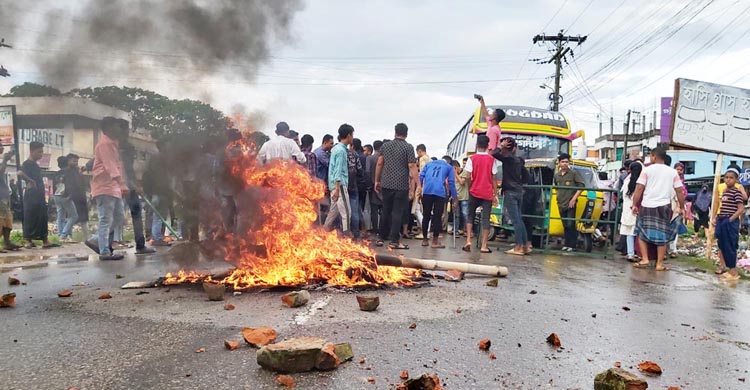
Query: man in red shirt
(482, 190)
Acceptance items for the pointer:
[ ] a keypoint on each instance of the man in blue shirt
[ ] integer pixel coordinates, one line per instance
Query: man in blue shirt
(338, 180)
(433, 178)
(323, 155)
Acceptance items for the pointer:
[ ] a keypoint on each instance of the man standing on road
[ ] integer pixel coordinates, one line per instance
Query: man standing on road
(323, 154)
(132, 198)
(433, 178)
(35, 217)
(395, 172)
(376, 202)
(493, 124)
(481, 168)
(655, 225)
(281, 147)
(567, 199)
(338, 180)
(312, 161)
(513, 181)
(108, 185)
(6, 213)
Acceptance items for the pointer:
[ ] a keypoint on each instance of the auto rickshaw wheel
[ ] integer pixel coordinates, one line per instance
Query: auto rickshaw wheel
(493, 233)
(588, 242)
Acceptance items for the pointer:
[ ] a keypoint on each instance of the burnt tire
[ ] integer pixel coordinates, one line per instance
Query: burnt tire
(588, 242)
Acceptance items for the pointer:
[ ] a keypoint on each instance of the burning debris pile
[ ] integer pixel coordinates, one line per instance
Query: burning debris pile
(275, 241)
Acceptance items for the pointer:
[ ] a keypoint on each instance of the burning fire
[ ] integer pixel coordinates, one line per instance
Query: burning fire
(281, 246)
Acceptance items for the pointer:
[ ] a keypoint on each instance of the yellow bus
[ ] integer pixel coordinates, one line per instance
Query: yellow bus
(541, 135)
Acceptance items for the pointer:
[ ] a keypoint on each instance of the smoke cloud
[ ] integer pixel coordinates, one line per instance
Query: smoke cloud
(155, 39)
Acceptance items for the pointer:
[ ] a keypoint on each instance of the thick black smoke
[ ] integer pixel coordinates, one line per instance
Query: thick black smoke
(157, 39)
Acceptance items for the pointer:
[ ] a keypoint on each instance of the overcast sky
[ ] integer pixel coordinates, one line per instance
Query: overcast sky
(375, 63)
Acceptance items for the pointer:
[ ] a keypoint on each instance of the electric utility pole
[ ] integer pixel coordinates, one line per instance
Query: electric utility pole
(561, 50)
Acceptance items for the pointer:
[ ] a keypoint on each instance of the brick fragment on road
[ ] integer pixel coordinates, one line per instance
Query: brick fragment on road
(285, 380)
(344, 352)
(8, 300)
(64, 293)
(485, 344)
(228, 306)
(299, 355)
(105, 296)
(492, 282)
(368, 303)
(454, 275)
(649, 367)
(231, 345)
(258, 337)
(554, 340)
(423, 382)
(13, 281)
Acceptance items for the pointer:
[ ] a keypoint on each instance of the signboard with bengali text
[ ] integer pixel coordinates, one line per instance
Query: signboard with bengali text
(711, 117)
(6, 125)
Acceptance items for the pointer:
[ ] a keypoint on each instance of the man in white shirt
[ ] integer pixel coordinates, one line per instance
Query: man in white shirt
(281, 147)
(656, 223)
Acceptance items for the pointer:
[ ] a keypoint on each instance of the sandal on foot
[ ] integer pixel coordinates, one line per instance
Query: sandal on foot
(425, 242)
(50, 245)
(641, 265)
(720, 271)
(29, 246)
(514, 252)
(729, 277)
(466, 248)
(398, 246)
(437, 246)
(379, 243)
(664, 268)
(485, 251)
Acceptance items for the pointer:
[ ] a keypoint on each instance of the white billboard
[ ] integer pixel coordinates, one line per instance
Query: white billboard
(711, 117)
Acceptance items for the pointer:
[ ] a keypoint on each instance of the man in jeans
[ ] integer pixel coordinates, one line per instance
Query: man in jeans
(132, 199)
(395, 172)
(433, 177)
(567, 199)
(461, 214)
(376, 202)
(107, 184)
(338, 180)
(513, 172)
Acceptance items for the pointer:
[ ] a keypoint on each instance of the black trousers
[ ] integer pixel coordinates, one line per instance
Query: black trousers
(376, 207)
(395, 203)
(433, 207)
(134, 203)
(571, 232)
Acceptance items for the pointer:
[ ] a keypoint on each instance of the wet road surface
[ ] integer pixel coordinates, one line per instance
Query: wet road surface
(694, 326)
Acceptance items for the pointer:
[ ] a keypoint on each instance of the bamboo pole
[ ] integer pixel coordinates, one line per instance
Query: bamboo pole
(714, 205)
(469, 268)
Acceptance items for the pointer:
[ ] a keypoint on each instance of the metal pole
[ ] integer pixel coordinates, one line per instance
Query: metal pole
(714, 205)
(164, 221)
(625, 154)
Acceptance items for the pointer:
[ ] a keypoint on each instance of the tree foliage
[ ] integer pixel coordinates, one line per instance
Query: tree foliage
(163, 116)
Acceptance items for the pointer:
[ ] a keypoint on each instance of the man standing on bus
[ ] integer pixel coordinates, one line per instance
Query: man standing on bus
(493, 124)
(567, 199)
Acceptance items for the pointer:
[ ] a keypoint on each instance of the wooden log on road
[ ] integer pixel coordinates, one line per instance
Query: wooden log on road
(437, 265)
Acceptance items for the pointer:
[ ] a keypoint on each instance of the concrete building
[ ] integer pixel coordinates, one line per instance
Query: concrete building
(68, 125)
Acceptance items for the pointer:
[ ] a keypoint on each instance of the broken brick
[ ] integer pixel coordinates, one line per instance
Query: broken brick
(404, 375)
(228, 306)
(344, 351)
(215, 291)
(327, 358)
(105, 296)
(368, 303)
(413, 325)
(13, 281)
(485, 344)
(424, 382)
(258, 337)
(617, 378)
(673, 388)
(298, 355)
(200, 350)
(554, 340)
(454, 275)
(64, 293)
(618, 364)
(371, 380)
(231, 345)
(296, 298)
(362, 361)
(285, 380)
(492, 356)
(649, 367)
(492, 282)
(8, 300)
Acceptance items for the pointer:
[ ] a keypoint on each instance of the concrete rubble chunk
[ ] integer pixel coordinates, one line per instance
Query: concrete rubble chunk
(296, 298)
(618, 379)
(492, 282)
(368, 303)
(299, 355)
(13, 281)
(258, 337)
(344, 352)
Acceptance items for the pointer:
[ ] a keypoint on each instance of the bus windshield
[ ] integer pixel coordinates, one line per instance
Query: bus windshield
(539, 146)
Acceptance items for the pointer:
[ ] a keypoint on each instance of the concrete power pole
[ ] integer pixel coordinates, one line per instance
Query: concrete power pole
(561, 49)
(625, 155)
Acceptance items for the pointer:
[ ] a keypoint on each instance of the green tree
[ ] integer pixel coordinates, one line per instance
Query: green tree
(32, 90)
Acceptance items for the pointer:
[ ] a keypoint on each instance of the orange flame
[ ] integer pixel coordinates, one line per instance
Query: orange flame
(281, 246)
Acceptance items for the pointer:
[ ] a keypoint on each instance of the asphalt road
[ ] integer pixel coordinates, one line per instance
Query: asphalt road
(694, 326)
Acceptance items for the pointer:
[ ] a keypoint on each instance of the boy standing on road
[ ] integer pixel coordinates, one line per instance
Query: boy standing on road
(567, 199)
(727, 224)
(482, 169)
